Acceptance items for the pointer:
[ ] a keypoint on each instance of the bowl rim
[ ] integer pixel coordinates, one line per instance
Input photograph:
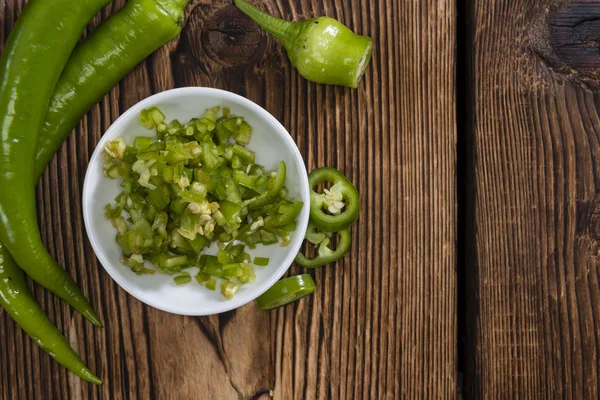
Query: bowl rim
(303, 218)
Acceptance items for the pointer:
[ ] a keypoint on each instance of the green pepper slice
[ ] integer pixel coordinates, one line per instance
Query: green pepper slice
(341, 200)
(286, 291)
(325, 254)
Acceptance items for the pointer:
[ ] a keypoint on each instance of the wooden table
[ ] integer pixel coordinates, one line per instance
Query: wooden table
(474, 142)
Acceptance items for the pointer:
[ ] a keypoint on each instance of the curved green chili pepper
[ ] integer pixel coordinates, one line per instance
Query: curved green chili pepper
(16, 299)
(324, 253)
(341, 200)
(36, 52)
(112, 50)
(322, 49)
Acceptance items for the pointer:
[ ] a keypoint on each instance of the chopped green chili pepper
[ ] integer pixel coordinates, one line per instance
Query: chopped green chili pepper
(229, 288)
(322, 49)
(286, 291)
(211, 284)
(261, 261)
(341, 200)
(325, 255)
(182, 192)
(202, 277)
(182, 279)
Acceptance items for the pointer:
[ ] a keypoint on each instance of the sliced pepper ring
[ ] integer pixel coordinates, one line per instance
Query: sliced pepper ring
(325, 254)
(286, 291)
(341, 200)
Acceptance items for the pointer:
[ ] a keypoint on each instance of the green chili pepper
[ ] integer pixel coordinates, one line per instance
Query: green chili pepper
(322, 49)
(341, 200)
(95, 65)
(286, 291)
(16, 299)
(36, 52)
(325, 254)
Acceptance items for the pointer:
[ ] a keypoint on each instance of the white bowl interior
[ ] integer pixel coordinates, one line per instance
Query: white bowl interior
(271, 142)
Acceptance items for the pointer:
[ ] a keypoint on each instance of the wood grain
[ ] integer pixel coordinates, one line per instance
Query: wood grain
(533, 309)
(383, 322)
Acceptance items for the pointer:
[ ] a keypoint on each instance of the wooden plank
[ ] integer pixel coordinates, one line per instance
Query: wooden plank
(533, 309)
(383, 323)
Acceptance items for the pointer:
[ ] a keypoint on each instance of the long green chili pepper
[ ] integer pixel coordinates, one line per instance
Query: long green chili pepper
(111, 51)
(96, 64)
(36, 52)
(322, 49)
(16, 299)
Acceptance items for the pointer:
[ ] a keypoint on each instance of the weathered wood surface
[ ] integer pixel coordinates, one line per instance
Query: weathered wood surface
(533, 122)
(383, 322)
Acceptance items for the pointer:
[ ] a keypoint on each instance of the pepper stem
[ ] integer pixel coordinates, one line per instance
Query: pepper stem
(276, 26)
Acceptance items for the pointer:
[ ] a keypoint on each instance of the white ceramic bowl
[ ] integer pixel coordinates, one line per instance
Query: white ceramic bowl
(271, 142)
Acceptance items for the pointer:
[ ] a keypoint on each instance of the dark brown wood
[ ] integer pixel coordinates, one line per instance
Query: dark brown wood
(533, 309)
(383, 322)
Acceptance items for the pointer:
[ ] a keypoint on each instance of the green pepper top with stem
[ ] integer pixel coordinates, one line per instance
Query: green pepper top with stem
(322, 49)
(36, 52)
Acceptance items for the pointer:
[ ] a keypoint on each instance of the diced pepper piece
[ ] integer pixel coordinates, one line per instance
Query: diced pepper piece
(210, 158)
(182, 279)
(198, 243)
(211, 284)
(232, 270)
(261, 261)
(177, 206)
(202, 277)
(245, 154)
(243, 134)
(247, 274)
(229, 288)
(287, 214)
(136, 263)
(223, 256)
(212, 267)
(151, 117)
(267, 237)
(159, 198)
(173, 262)
(141, 143)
